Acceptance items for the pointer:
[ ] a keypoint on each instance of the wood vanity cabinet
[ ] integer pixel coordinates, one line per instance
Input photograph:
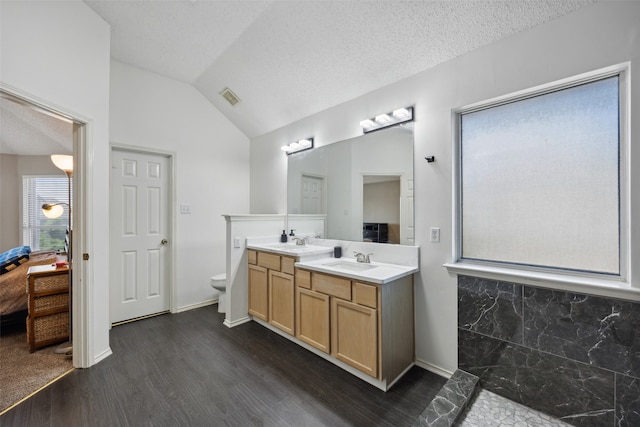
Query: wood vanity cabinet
(312, 314)
(365, 325)
(281, 301)
(354, 335)
(329, 320)
(259, 292)
(272, 290)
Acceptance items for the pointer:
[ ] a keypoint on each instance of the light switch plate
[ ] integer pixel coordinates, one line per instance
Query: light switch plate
(185, 208)
(236, 242)
(434, 234)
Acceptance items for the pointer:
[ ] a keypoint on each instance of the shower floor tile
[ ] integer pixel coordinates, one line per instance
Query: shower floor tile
(491, 410)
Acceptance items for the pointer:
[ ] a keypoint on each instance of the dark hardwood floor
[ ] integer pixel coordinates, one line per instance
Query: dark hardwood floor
(188, 369)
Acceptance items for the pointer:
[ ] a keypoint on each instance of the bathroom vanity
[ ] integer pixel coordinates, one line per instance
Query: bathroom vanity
(359, 316)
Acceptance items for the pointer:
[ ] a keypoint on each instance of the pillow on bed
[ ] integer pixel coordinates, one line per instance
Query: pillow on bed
(14, 258)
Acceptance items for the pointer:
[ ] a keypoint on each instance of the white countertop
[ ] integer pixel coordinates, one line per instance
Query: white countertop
(319, 257)
(291, 249)
(374, 272)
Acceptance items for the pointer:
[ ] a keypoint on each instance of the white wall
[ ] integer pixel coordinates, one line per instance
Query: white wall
(212, 155)
(381, 202)
(58, 53)
(591, 38)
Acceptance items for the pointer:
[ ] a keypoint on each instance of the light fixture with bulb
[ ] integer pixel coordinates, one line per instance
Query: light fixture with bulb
(53, 210)
(298, 146)
(381, 121)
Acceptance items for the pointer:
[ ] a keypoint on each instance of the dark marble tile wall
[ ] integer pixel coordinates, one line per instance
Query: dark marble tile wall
(573, 356)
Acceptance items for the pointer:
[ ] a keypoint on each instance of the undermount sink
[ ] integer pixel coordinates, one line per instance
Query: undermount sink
(346, 265)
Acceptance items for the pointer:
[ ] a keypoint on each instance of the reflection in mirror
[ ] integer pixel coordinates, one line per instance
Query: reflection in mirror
(364, 185)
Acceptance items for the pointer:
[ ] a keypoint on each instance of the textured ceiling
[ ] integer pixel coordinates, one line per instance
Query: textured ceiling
(29, 131)
(290, 59)
(287, 60)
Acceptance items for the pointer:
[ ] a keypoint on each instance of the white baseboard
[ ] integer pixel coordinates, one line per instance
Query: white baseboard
(197, 305)
(235, 323)
(100, 357)
(433, 368)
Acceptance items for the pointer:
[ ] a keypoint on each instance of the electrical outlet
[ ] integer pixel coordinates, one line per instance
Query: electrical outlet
(185, 208)
(434, 235)
(236, 242)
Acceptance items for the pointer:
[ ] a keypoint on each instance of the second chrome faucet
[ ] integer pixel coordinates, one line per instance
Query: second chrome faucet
(360, 257)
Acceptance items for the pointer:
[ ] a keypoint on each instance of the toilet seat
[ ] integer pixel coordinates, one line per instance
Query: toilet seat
(219, 283)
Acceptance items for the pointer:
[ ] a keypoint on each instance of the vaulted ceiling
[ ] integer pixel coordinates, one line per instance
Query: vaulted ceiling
(286, 60)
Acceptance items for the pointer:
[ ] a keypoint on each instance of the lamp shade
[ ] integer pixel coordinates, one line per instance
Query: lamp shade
(63, 162)
(52, 211)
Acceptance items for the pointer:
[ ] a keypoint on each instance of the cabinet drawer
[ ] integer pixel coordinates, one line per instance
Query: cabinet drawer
(303, 278)
(331, 285)
(365, 294)
(287, 264)
(252, 256)
(270, 261)
(53, 282)
(48, 303)
(46, 330)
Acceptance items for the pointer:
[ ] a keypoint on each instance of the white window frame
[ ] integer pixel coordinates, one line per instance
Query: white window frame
(574, 281)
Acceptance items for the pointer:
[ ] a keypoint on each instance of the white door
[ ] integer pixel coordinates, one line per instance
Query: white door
(312, 195)
(139, 230)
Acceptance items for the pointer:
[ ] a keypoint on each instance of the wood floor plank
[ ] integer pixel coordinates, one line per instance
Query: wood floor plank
(188, 369)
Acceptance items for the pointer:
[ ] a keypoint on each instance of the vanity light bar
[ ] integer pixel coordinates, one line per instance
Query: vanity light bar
(401, 115)
(296, 147)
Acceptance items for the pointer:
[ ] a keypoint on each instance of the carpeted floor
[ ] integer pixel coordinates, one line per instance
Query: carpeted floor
(21, 372)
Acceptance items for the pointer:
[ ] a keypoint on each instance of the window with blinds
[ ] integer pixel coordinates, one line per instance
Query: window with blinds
(38, 231)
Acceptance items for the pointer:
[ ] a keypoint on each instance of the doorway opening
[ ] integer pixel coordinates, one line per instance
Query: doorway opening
(32, 131)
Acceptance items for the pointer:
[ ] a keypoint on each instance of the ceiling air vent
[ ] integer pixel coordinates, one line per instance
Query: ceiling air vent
(231, 97)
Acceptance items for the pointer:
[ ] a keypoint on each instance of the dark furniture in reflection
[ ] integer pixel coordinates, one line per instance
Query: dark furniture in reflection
(375, 232)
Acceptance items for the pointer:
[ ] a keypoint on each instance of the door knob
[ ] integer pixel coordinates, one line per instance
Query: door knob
(164, 242)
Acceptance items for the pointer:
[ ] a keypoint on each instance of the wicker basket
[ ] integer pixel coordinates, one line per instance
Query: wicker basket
(50, 302)
(48, 293)
(57, 282)
(48, 329)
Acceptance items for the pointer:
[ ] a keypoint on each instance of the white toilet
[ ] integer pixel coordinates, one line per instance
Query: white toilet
(219, 283)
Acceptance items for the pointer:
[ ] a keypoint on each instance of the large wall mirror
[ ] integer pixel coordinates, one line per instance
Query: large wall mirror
(364, 185)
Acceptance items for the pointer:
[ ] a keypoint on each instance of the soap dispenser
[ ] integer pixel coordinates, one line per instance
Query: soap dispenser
(283, 237)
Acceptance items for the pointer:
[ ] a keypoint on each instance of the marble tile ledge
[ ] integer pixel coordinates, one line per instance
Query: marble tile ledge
(450, 402)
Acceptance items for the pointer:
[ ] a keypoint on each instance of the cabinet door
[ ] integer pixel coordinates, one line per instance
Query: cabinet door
(354, 335)
(281, 301)
(258, 292)
(312, 319)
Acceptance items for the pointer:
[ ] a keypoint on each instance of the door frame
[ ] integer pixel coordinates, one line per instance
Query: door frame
(171, 214)
(82, 307)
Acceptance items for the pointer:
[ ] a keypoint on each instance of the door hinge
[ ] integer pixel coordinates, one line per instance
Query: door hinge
(85, 257)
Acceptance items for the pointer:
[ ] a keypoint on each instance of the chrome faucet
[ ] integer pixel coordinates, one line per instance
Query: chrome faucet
(360, 257)
(299, 242)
